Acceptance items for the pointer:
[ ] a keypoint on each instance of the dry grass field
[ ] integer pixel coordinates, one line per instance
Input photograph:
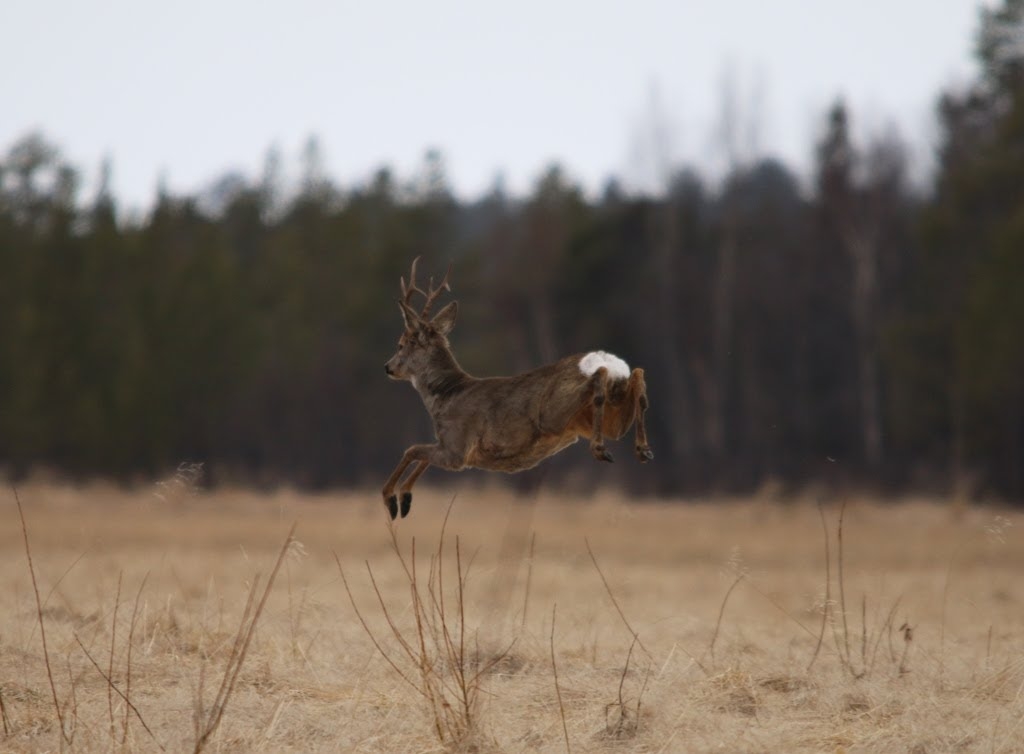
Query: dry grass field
(540, 624)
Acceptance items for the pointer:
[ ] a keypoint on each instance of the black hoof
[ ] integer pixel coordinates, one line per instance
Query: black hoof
(406, 502)
(601, 454)
(644, 454)
(393, 506)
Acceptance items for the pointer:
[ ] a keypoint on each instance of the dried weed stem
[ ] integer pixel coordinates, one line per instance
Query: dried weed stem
(42, 627)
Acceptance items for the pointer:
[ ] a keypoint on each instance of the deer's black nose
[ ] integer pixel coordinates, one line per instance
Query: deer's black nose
(387, 369)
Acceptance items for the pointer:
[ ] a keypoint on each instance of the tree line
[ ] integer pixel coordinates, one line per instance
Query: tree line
(857, 326)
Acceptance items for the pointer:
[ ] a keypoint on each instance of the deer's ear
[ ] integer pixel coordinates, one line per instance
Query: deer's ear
(412, 321)
(444, 320)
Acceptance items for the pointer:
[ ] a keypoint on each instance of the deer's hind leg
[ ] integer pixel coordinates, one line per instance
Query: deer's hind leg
(627, 400)
(637, 390)
(598, 399)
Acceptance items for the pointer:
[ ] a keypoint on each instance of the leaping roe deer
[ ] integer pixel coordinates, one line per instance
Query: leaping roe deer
(505, 423)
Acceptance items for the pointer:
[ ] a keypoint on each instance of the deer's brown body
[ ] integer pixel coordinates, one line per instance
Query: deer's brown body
(507, 423)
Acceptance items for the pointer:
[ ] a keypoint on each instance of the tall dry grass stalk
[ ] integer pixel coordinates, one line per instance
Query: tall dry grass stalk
(438, 656)
(611, 596)
(112, 686)
(3, 715)
(721, 614)
(869, 638)
(622, 717)
(558, 689)
(128, 664)
(65, 735)
(208, 718)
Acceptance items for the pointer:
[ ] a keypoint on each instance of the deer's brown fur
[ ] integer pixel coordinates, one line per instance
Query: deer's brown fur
(502, 423)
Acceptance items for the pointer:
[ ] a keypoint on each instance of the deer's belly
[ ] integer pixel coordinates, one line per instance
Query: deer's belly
(496, 456)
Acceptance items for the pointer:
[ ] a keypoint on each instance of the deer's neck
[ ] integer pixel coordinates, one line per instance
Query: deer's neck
(444, 380)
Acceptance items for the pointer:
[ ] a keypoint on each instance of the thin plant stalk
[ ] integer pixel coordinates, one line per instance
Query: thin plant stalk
(718, 623)
(246, 631)
(39, 614)
(828, 588)
(3, 714)
(558, 691)
(111, 685)
(113, 646)
(128, 661)
(529, 578)
(842, 587)
(611, 596)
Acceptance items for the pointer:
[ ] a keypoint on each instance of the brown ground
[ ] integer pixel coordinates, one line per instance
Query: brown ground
(312, 679)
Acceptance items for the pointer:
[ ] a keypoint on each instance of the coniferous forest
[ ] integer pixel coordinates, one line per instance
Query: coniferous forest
(851, 325)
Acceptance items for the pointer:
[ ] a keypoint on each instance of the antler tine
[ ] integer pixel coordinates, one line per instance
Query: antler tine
(435, 292)
(412, 288)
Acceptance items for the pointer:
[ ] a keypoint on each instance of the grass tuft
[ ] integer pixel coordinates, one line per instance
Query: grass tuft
(438, 655)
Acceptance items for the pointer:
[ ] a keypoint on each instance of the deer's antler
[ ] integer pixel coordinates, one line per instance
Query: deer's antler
(435, 292)
(411, 289)
(431, 296)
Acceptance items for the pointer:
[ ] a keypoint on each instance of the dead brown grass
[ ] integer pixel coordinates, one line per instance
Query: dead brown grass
(664, 648)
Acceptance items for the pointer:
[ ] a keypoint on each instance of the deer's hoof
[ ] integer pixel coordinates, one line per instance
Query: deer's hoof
(392, 503)
(406, 503)
(644, 454)
(601, 453)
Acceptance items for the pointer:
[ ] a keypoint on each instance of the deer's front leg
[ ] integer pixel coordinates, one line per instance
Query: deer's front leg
(419, 454)
(423, 456)
(406, 490)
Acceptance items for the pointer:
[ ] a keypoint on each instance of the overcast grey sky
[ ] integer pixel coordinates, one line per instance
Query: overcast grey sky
(194, 88)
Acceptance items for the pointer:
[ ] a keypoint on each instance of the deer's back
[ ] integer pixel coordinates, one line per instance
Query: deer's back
(513, 423)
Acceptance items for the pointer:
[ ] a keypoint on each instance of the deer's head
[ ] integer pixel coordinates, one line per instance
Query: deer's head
(423, 346)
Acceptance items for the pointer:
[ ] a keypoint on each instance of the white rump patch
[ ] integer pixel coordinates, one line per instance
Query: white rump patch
(617, 368)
